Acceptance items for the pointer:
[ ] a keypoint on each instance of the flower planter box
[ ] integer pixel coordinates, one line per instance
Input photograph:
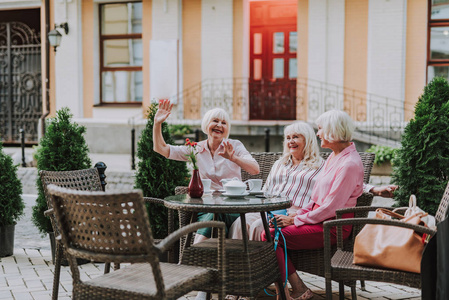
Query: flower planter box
(383, 169)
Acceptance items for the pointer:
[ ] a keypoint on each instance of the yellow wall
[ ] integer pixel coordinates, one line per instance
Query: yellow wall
(356, 57)
(146, 37)
(87, 8)
(302, 58)
(191, 53)
(415, 59)
(237, 55)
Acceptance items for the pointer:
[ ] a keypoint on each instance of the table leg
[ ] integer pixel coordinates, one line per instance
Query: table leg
(244, 232)
(281, 289)
(263, 216)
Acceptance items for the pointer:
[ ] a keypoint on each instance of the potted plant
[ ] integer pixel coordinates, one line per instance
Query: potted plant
(63, 148)
(421, 165)
(11, 202)
(382, 161)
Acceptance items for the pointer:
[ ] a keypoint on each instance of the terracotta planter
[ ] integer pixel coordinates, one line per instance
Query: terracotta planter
(7, 240)
(383, 169)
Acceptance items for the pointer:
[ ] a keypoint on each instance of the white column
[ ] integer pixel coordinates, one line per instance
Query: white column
(68, 61)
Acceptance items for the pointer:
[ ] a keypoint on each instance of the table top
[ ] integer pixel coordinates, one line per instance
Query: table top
(218, 203)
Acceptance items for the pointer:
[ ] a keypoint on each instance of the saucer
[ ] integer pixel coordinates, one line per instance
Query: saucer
(235, 195)
(222, 191)
(256, 192)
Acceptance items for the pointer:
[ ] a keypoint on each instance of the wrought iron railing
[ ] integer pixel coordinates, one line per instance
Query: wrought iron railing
(375, 116)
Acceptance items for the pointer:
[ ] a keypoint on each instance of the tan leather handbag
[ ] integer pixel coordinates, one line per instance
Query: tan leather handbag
(390, 247)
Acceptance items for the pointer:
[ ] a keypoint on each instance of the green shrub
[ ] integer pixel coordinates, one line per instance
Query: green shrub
(11, 202)
(383, 153)
(156, 175)
(421, 166)
(179, 129)
(63, 148)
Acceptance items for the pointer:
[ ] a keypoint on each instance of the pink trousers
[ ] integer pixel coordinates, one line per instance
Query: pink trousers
(303, 237)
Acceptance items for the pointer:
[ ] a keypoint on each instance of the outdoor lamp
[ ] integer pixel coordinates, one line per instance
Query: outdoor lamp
(54, 37)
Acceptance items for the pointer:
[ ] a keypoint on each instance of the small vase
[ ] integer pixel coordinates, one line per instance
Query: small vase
(196, 186)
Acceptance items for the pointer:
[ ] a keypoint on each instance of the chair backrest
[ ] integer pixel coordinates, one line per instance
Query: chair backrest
(109, 227)
(267, 159)
(85, 180)
(442, 208)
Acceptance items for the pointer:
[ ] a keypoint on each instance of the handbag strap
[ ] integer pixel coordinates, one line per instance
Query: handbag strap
(396, 215)
(390, 213)
(412, 201)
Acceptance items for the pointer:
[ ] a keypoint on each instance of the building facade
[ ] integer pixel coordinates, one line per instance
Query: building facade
(266, 62)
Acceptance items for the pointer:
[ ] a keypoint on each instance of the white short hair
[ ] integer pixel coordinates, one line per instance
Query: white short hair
(337, 126)
(312, 158)
(215, 113)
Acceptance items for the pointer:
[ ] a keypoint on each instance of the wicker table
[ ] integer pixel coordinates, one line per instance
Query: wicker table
(251, 265)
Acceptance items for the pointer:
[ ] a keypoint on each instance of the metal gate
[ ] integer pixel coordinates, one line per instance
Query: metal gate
(20, 82)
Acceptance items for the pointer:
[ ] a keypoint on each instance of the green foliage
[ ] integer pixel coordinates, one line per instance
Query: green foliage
(156, 175)
(421, 166)
(11, 203)
(63, 148)
(179, 129)
(383, 153)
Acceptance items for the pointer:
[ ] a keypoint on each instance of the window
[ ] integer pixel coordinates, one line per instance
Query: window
(438, 39)
(121, 53)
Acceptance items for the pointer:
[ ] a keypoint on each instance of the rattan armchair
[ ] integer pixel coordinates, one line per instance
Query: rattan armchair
(83, 180)
(339, 266)
(114, 227)
(86, 180)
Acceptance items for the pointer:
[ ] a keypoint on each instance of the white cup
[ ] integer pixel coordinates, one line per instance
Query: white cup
(206, 184)
(255, 185)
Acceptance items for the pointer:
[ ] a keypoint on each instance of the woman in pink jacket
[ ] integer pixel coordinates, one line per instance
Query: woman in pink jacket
(338, 185)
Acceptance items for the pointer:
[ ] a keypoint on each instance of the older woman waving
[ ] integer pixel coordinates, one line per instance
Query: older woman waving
(338, 185)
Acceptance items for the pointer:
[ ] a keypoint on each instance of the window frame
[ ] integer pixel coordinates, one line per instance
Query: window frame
(433, 24)
(103, 68)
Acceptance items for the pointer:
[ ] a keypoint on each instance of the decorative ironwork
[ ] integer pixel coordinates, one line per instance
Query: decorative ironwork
(20, 82)
(375, 116)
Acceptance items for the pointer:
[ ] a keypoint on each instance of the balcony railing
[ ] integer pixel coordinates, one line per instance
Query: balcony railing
(374, 115)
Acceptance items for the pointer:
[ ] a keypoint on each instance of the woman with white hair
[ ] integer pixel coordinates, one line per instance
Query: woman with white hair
(292, 176)
(338, 185)
(218, 157)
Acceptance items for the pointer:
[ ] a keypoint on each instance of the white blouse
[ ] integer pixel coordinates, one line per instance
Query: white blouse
(217, 167)
(293, 182)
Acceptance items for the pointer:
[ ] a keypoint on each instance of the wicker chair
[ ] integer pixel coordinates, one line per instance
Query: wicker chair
(84, 180)
(339, 266)
(114, 227)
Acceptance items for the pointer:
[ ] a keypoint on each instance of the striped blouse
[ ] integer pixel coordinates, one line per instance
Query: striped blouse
(293, 182)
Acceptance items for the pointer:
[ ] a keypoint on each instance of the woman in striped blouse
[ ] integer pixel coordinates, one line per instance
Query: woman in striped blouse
(292, 176)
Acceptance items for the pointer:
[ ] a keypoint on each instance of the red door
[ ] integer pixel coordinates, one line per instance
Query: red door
(273, 64)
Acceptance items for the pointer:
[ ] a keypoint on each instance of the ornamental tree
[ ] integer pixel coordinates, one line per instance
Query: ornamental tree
(63, 148)
(421, 165)
(156, 175)
(11, 203)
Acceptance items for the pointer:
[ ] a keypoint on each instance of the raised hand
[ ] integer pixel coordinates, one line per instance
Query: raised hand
(228, 151)
(163, 111)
